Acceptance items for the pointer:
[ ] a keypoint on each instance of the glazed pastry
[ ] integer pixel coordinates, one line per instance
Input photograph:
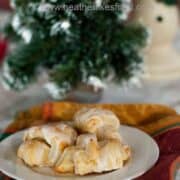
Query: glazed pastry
(108, 132)
(113, 155)
(95, 149)
(57, 136)
(89, 143)
(55, 128)
(85, 159)
(84, 140)
(66, 162)
(97, 158)
(86, 146)
(84, 163)
(90, 120)
(94, 158)
(34, 153)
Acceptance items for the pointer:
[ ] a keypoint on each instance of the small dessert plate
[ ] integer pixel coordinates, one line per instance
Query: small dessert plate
(145, 153)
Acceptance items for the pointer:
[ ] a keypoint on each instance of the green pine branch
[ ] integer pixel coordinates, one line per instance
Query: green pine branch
(169, 2)
(95, 44)
(23, 63)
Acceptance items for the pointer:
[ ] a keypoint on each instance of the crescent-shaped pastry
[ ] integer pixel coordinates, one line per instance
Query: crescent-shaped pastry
(85, 159)
(84, 140)
(90, 120)
(113, 155)
(96, 148)
(108, 155)
(58, 137)
(34, 153)
(42, 132)
(66, 162)
(87, 147)
(108, 132)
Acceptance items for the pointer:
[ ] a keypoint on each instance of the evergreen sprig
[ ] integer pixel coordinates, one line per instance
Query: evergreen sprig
(73, 45)
(169, 2)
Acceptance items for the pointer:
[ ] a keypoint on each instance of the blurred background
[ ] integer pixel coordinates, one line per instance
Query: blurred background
(134, 59)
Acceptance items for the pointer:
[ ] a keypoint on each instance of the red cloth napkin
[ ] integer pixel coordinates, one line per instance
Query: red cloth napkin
(3, 49)
(169, 160)
(4, 4)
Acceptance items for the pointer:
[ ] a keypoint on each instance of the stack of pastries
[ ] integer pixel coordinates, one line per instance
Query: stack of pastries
(91, 144)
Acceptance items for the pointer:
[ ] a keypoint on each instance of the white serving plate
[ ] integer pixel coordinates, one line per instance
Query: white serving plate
(145, 153)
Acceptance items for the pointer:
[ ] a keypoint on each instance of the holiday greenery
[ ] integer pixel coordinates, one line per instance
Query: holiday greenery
(73, 44)
(169, 2)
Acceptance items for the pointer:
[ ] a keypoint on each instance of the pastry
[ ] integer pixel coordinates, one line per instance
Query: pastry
(91, 144)
(108, 132)
(66, 162)
(99, 156)
(57, 136)
(34, 153)
(113, 155)
(102, 122)
(86, 146)
(91, 120)
(90, 156)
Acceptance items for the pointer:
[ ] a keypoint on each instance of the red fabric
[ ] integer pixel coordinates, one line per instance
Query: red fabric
(47, 111)
(4, 4)
(169, 145)
(3, 49)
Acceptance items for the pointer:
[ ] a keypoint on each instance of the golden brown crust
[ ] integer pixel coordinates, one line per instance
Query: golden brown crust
(65, 152)
(34, 153)
(66, 164)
